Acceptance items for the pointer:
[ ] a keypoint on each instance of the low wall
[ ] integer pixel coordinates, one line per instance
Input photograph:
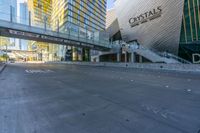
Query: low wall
(155, 66)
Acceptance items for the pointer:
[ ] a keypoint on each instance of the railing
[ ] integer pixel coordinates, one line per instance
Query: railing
(99, 38)
(167, 55)
(162, 54)
(172, 56)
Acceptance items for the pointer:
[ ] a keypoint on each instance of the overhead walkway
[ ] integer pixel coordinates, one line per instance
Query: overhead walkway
(12, 26)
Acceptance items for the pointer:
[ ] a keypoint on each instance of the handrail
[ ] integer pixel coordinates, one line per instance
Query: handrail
(169, 55)
(162, 54)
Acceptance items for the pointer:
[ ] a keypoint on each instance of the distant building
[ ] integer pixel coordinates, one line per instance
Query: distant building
(24, 19)
(24, 13)
(8, 7)
(5, 9)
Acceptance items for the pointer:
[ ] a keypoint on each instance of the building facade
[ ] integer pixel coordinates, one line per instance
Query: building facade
(162, 25)
(5, 9)
(8, 7)
(190, 30)
(41, 16)
(23, 13)
(83, 16)
(41, 11)
(88, 14)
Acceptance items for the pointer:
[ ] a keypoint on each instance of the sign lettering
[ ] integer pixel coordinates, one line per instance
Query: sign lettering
(145, 17)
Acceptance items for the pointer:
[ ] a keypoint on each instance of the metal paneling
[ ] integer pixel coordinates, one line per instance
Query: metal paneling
(162, 33)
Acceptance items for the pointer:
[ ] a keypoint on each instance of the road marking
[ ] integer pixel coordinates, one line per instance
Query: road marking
(38, 71)
(164, 113)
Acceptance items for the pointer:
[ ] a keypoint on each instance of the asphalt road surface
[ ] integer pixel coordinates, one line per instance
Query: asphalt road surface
(50, 98)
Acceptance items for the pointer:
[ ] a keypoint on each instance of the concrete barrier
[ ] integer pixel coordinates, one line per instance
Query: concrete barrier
(154, 66)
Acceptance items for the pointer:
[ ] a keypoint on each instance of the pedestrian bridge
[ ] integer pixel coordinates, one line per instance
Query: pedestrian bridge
(14, 27)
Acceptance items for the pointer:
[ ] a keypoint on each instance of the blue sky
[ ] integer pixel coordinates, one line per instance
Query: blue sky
(110, 4)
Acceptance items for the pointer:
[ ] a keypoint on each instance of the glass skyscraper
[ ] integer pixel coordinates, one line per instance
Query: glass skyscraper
(90, 14)
(8, 7)
(85, 16)
(5, 10)
(190, 31)
(24, 17)
(41, 11)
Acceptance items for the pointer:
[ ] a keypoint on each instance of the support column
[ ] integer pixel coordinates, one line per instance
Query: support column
(133, 57)
(140, 59)
(125, 57)
(58, 26)
(118, 57)
(74, 54)
(80, 54)
(11, 14)
(29, 20)
(45, 22)
(86, 55)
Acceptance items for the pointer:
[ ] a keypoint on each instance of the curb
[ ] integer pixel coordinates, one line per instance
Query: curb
(183, 68)
(2, 68)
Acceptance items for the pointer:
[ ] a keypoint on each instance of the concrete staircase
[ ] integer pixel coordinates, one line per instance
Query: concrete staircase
(153, 57)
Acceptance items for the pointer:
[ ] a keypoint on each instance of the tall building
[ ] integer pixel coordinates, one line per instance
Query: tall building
(161, 25)
(84, 16)
(8, 7)
(23, 13)
(90, 14)
(41, 14)
(24, 18)
(5, 9)
(41, 11)
(190, 29)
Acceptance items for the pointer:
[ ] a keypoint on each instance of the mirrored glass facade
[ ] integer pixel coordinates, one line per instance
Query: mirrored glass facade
(88, 14)
(41, 11)
(84, 16)
(41, 14)
(190, 31)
